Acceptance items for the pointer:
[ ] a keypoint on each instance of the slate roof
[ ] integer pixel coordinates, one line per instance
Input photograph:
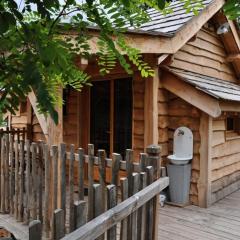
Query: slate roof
(170, 24)
(215, 87)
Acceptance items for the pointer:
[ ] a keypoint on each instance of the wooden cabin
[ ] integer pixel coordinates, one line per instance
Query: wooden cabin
(196, 84)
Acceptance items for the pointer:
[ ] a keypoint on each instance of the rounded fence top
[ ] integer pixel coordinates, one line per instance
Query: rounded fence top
(154, 149)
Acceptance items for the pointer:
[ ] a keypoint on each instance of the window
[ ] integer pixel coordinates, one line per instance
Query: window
(111, 115)
(232, 126)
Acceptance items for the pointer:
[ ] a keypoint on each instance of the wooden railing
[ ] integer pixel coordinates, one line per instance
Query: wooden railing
(46, 187)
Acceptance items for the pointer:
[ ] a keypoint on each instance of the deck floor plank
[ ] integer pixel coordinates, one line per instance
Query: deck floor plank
(221, 221)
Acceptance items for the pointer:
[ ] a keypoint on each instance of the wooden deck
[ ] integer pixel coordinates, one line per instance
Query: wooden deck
(19, 230)
(219, 222)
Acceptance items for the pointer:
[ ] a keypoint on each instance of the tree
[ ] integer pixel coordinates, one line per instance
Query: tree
(35, 56)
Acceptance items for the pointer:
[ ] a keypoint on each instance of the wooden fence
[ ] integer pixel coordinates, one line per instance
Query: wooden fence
(62, 193)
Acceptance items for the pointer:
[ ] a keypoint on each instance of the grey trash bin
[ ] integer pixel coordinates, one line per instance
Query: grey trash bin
(179, 183)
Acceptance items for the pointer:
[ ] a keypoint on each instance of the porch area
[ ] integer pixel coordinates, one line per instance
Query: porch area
(218, 222)
(221, 221)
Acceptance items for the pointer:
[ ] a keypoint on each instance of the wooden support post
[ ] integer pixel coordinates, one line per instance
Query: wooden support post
(154, 159)
(151, 109)
(204, 183)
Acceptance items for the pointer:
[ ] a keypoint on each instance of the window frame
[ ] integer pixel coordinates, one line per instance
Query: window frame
(234, 133)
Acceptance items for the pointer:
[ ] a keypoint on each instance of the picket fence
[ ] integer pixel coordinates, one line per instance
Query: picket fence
(73, 195)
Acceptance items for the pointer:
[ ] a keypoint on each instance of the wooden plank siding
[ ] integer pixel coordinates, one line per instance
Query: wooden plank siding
(205, 55)
(225, 161)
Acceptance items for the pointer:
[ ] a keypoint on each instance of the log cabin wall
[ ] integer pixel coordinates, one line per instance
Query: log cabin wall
(225, 161)
(204, 54)
(70, 118)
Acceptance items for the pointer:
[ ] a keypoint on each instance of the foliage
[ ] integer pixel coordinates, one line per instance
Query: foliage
(232, 9)
(36, 54)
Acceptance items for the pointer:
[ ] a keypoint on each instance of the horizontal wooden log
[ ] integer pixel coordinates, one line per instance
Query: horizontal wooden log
(219, 173)
(138, 114)
(162, 135)
(218, 138)
(225, 181)
(227, 148)
(163, 121)
(138, 100)
(162, 95)
(162, 109)
(219, 125)
(221, 162)
(101, 224)
(225, 191)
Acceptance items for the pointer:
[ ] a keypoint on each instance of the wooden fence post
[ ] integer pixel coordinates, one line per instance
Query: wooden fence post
(124, 196)
(47, 202)
(135, 214)
(35, 230)
(111, 202)
(16, 179)
(12, 183)
(90, 180)
(80, 213)
(3, 161)
(34, 181)
(81, 167)
(21, 182)
(154, 159)
(7, 199)
(62, 179)
(102, 176)
(71, 188)
(58, 224)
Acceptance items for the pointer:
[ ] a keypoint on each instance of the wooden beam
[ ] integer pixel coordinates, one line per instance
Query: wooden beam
(191, 95)
(233, 57)
(204, 183)
(227, 106)
(234, 32)
(41, 118)
(151, 109)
